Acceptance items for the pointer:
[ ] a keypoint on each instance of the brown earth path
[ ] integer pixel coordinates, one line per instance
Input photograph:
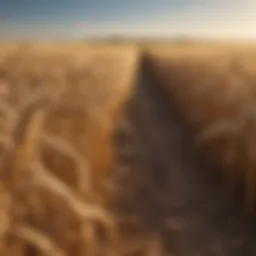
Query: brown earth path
(177, 195)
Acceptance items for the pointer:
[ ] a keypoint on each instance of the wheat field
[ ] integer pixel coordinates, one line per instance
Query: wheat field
(59, 107)
(68, 188)
(216, 95)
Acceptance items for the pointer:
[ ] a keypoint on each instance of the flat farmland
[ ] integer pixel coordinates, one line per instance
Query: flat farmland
(60, 105)
(126, 149)
(214, 88)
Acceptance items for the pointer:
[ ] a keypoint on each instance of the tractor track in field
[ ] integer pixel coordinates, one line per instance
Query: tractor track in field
(166, 183)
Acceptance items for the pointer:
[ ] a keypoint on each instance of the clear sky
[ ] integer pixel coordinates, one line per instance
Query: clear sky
(80, 18)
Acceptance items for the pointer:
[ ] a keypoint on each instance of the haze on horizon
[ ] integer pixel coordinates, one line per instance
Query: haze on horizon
(163, 18)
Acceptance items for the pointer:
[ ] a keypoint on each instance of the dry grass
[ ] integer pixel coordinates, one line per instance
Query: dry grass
(214, 88)
(59, 108)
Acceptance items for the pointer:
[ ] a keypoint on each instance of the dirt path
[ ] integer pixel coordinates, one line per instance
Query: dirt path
(174, 193)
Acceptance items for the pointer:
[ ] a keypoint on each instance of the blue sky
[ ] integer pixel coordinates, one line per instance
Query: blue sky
(80, 18)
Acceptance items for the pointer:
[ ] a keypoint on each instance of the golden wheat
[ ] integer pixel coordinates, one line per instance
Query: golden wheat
(215, 91)
(58, 112)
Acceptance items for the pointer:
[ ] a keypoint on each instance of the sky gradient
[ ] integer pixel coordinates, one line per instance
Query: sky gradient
(81, 18)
